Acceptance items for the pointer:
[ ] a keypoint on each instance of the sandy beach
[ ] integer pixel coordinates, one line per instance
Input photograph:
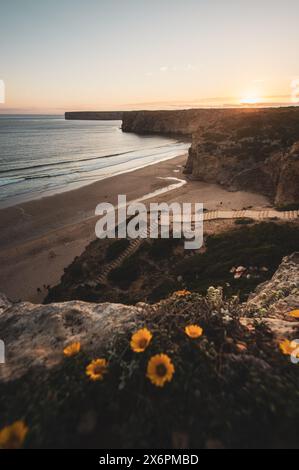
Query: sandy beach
(40, 238)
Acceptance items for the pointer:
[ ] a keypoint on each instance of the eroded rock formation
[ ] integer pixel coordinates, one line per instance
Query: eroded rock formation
(35, 335)
(254, 149)
(180, 122)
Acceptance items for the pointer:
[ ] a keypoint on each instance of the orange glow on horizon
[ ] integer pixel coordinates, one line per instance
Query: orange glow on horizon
(251, 99)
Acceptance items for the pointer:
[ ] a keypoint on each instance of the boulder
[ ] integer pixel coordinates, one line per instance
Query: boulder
(36, 335)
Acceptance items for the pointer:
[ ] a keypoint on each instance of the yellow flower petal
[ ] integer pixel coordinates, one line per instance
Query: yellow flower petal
(160, 370)
(182, 293)
(194, 331)
(13, 437)
(72, 349)
(294, 314)
(289, 347)
(141, 340)
(97, 369)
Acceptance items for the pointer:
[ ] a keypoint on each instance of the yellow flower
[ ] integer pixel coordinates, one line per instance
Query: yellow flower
(96, 369)
(194, 331)
(72, 349)
(160, 370)
(288, 347)
(294, 314)
(140, 340)
(182, 293)
(13, 437)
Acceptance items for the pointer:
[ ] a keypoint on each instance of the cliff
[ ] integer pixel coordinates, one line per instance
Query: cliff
(257, 151)
(185, 122)
(233, 378)
(179, 122)
(94, 115)
(254, 149)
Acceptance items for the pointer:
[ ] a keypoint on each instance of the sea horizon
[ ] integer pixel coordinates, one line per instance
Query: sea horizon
(153, 107)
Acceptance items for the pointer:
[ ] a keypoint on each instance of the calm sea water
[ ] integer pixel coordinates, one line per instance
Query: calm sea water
(43, 155)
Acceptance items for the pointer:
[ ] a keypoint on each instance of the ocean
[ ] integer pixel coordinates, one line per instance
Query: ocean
(44, 155)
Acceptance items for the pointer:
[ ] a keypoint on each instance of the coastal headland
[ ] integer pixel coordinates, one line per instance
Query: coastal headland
(256, 149)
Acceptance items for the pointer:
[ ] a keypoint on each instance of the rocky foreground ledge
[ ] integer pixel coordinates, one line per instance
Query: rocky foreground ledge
(232, 387)
(35, 335)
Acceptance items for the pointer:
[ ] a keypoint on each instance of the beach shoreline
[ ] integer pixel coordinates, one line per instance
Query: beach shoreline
(40, 238)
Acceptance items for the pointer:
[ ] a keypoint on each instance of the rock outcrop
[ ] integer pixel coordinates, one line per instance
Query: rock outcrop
(288, 182)
(178, 123)
(253, 149)
(256, 151)
(35, 335)
(273, 300)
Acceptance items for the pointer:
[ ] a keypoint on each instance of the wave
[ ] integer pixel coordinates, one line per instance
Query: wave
(80, 170)
(8, 181)
(59, 158)
(81, 160)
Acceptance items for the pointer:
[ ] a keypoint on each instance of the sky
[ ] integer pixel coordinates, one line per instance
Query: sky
(60, 55)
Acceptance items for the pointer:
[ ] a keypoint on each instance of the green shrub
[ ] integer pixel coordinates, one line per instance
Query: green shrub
(163, 290)
(264, 244)
(245, 221)
(288, 207)
(127, 273)
(116, 249)
(163, 248)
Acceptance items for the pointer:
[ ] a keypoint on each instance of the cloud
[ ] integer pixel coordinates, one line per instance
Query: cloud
(177, 68)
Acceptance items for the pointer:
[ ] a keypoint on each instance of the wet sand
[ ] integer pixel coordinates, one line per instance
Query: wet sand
(38, 239)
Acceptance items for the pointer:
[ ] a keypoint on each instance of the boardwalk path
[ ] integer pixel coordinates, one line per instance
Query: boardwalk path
(252, 214)
(208, 216)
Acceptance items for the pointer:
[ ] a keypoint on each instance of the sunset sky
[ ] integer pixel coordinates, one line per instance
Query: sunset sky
(58, 55)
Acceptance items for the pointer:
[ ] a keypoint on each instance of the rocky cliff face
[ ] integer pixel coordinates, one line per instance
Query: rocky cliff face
(288, 182)
(257, 151)
(180, 123)
(254, 149)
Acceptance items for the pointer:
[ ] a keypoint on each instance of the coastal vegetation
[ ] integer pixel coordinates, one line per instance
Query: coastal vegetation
(161, 266)
(186, 379)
